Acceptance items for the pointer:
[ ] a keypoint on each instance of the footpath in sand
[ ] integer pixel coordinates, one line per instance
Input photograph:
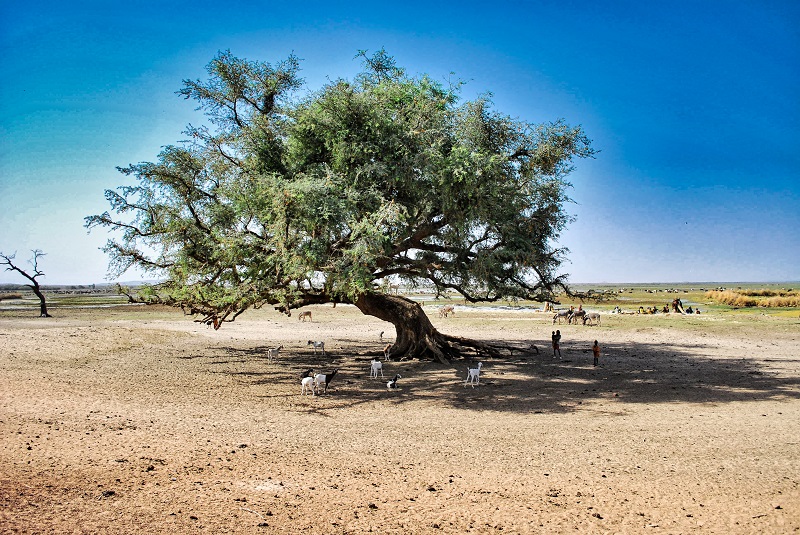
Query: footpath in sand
(135, 420)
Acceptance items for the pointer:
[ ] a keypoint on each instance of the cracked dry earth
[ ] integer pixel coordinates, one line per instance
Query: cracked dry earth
(137, 420)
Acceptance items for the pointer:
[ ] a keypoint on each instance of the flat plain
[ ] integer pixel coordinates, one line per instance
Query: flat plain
(126, 419)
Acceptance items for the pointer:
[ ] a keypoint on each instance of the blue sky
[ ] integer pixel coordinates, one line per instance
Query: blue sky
(695, 107)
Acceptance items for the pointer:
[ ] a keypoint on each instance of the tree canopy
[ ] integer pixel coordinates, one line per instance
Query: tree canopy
(289, 197)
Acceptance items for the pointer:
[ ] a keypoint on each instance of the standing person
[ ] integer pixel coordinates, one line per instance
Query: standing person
(596, 352)
(557, 343)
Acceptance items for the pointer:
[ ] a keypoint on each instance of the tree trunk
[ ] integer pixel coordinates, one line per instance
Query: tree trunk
(416, 335)
(42, 303)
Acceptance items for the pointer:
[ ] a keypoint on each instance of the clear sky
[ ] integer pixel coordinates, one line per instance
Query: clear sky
(695, 107)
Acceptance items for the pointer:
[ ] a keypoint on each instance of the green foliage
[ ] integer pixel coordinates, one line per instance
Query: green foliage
(294, 200)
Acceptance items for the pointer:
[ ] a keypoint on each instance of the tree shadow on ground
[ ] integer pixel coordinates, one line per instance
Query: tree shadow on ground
(530, 383)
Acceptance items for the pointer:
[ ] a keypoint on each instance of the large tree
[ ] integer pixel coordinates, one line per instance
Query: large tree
(8, 261)
(290, 199)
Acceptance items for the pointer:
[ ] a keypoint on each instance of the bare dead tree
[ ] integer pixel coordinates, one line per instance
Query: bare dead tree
(8, 261)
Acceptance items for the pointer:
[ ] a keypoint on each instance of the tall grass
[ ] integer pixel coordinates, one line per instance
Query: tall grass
(756, 298)
(10, 296)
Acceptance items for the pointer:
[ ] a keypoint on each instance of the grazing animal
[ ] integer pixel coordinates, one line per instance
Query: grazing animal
(386, 350)
(575, 315)
(381, 336)
(324, 378)
(272, 354)
(305, 314)
(317, 346)
(308, 373)
(376, 368)
(592, 317)
(393, 382)
(308, 384)
(474, 375)
(447, 310)
(561, 314)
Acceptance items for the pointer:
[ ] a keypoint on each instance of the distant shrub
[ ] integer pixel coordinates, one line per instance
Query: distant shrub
(756, 298)
(774, 302)
(10, 296)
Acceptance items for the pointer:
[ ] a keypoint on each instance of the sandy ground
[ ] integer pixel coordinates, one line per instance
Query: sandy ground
(133, 420)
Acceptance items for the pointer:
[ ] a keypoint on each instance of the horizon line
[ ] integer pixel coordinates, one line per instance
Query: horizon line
(651, 283)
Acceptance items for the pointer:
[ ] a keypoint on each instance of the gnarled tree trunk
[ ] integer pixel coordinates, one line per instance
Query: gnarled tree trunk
(418, 338)
(416, 335)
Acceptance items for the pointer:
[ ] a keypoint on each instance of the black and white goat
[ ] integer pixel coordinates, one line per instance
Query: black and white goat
(308, 373)
(317, 346)
(393, 382)
(324, 378)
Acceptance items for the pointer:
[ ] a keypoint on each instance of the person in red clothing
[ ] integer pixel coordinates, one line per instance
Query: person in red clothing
(596, 352)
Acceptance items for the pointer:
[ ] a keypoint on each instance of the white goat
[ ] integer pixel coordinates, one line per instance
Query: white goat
(309, 384)
(317, 346)
(376, 368)
(272, 354)
(474, 375)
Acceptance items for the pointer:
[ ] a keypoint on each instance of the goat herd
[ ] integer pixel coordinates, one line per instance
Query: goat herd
(313, 383)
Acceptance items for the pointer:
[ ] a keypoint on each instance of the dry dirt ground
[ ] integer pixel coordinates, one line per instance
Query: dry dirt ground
(137, 420)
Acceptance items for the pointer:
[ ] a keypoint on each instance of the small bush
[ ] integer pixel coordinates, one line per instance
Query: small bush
(10, 296)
